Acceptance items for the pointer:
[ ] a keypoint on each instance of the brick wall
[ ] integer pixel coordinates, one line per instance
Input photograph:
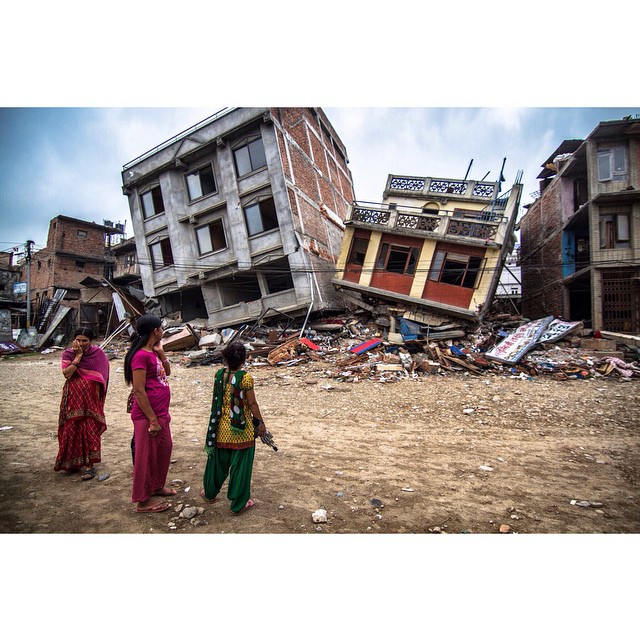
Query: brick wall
(541, 255)
(323, 183)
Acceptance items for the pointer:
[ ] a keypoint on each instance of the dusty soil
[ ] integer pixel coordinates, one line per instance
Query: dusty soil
(414, 447)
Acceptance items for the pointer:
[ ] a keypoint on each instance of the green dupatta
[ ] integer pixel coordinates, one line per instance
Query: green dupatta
(236, 413)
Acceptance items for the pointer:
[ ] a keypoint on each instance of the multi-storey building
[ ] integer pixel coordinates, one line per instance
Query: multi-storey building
(241, 216)
(75, 250)
(580, 239)
(434, 244)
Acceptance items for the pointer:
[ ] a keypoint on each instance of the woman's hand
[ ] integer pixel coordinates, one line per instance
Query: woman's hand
(75, 345)
(159, 350)
(261, 428)
(154, 427)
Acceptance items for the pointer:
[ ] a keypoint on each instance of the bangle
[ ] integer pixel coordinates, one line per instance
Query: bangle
(76, 363)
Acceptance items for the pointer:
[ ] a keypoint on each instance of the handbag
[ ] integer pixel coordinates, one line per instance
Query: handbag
(130, 401)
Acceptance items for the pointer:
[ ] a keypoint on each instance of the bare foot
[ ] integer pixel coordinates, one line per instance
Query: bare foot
(165, 491)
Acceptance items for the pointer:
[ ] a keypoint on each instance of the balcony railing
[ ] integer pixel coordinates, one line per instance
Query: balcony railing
(480, 225)
(442, 186)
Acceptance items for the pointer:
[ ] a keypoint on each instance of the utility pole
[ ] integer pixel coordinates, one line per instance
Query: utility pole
(29, 244)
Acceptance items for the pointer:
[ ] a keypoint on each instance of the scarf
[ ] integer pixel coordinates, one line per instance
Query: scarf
(236, 412)
(94, 365)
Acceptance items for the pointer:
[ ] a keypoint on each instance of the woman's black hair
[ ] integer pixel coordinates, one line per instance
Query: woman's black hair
(235, 355)
(144, 326)
(85, 331)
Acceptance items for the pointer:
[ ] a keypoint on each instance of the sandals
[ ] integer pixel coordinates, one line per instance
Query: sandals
(156, 507)
(207, 499)
(87, 474)
(248, 506)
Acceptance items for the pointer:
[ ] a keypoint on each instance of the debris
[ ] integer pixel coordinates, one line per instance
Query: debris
(485, 467)
(505, 528)
(189, 512)
(319, 516)
(365, 346)
(103, 477)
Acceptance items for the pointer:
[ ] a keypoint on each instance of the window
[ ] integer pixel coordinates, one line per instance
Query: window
(358, 250)
(81, 233)
(261, 216)
(612, 163)
(250, 157)
(161, 254)
(398, 259)
(615, 229)
(455, 268)
(80, 264)
(211, 237)
(277, 276)
(130, 260)
(152, 203)
(201, 182)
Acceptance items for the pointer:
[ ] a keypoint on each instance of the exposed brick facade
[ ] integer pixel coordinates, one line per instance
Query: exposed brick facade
(75, 249)
(541, 255)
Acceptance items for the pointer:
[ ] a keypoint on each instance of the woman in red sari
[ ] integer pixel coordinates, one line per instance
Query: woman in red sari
(82, 422)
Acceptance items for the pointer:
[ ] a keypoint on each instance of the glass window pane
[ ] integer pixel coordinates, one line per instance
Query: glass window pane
(436, 265)
(383, 256)
(204, 240)
(193, 184)
(604, 166)
(256, 151)
(254, 222)
(243, 164)
(622, 227)
(147, 204)
(156, 256)
(619, 160)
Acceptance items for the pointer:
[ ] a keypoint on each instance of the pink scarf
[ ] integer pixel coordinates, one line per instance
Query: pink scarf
(94, 364)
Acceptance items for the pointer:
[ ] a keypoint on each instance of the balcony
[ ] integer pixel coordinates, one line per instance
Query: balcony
(482, 226)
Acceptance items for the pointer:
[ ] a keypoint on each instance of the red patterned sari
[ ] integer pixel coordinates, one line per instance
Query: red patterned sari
(82, 420)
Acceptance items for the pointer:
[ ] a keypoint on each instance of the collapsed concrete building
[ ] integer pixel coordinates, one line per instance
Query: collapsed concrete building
(434, 245)
(242, 215)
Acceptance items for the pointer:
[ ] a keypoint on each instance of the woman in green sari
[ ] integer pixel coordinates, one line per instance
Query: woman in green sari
(230, 440)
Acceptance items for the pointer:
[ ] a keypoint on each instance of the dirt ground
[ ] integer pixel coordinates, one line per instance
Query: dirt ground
(452, 454)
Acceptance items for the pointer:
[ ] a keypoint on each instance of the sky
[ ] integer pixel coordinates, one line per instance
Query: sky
(68, 161)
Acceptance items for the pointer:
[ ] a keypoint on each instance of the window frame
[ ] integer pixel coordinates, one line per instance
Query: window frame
(438, 268)
(410, 263)
(150, 192)
(166, 250)
(198, 172)
(249, 144)
(209, 225)
(608, 154)
(613, 234)
(354, 250)
(259, 203)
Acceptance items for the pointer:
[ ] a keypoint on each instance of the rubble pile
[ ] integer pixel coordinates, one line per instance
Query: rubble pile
(387, 348)
(387, 345)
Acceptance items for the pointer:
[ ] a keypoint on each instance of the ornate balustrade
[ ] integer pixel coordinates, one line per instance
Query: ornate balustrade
(442, 223)
(443, 186)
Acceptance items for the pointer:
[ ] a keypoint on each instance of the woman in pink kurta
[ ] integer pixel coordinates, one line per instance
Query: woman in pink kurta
(147, 368)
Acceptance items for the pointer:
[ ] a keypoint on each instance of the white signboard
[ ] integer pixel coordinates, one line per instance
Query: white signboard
(19, 287)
